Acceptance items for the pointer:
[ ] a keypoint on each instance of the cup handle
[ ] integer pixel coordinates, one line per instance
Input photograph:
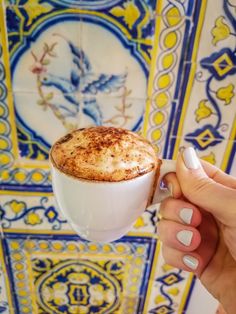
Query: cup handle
(160, 194)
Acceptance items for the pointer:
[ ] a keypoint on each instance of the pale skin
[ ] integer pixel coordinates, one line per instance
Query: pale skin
(209, 195)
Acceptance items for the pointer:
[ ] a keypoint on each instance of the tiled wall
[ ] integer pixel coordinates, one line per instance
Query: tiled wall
(165, 68)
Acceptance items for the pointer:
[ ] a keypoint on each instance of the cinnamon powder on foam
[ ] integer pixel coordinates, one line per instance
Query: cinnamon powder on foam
(104, 154)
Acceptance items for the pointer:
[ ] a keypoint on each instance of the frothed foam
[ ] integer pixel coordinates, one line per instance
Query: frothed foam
(104, 154)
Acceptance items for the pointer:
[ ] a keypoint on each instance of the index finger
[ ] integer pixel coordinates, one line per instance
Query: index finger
(218, 175)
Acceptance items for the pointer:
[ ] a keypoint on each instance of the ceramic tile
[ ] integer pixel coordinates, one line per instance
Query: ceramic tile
(176, 8)
(204, 112)
(47, 116)
(86, 276)
(5, 306)
(221, 155)
(44, 116)
(165, 77)
(124, 36)
(120, 111)
(39, 47)
(211, 101)
(218, 30)
(167, 292)
(125, 65)
(32, 213)
(232, 164)
(113, 65)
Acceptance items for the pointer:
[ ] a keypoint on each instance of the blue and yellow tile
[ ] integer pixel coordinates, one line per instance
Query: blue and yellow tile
(173, 60)
(84, 278)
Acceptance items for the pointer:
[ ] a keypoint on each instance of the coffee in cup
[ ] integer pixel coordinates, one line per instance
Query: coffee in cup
(104, 178)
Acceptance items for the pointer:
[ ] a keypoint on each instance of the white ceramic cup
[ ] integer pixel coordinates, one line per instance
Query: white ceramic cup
(105, 211)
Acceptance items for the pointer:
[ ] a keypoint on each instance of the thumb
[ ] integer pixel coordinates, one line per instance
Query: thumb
(203, 191)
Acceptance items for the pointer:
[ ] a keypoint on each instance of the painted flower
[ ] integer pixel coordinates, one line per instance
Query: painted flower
(33, 219)
(226, 93)
(203, 111)
(38, 68)
(221, 30)
(97, 294)
(57, 293)
(129, 13)
(220, 64)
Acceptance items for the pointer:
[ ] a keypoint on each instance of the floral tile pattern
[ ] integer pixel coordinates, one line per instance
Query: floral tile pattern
(163, 68)
(111, 282)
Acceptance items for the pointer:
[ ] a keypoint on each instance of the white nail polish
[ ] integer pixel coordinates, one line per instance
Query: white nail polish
(190, 158)
(190, 262)
(185, 237)
(186, 215)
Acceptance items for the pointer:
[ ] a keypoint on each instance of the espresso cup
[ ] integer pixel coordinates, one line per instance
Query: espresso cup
(105, 211)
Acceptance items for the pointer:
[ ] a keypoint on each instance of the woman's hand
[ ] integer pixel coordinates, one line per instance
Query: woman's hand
(198, 230)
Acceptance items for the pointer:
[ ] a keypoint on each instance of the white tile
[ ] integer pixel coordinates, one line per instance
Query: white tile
(217, 30)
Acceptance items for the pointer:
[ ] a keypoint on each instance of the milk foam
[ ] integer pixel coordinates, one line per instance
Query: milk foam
(104, 154)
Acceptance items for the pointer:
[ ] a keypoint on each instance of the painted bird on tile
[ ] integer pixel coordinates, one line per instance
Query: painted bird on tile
(83, 81)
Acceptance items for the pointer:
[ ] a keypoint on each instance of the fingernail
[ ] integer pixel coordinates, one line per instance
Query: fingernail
(190, 158)
(190, 262)
(185, 237)
(186, 215)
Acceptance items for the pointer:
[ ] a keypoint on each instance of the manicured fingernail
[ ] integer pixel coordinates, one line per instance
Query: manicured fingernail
(190, 158)
(186, 215)
(190, 262)
(185, 237)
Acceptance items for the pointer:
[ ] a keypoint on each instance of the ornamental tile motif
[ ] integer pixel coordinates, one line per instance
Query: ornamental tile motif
(164, 68)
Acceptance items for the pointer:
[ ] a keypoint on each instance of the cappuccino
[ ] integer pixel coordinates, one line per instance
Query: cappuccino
(104, 154)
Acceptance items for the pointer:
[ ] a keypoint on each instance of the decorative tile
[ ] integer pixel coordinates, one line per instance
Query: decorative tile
(87, 277)
(168, 288)
(56, 48)
(80, 63)
(39, 49)
(5, 306)
(31, 212)
(118, 63)
(204, 113)
(210, 102)
(232, 161)
(177, 42)
(221, 155)
(217, 67)
(37, 212)
(175, 8)
(218, 30)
